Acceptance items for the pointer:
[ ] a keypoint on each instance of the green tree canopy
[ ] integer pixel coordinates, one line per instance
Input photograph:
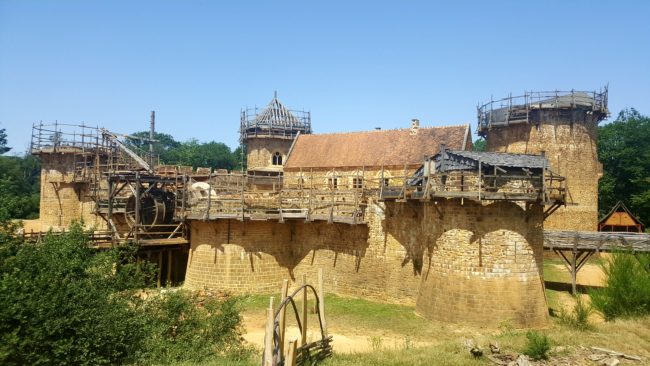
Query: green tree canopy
(19, 184)
(192, 152)
(163, 147)
(210, 154)
(479, 144)
(3, 142)
(624, 150)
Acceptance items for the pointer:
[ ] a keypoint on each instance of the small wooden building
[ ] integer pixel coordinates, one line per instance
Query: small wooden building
(620, 219)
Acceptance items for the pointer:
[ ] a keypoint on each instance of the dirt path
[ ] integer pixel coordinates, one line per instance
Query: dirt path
(350, 340)
(589, 275)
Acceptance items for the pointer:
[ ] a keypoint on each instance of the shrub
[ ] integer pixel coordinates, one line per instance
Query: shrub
(578, 318)
(59, 304)
(627, 291)
(537, 346)
(183, 328)
(64, 303)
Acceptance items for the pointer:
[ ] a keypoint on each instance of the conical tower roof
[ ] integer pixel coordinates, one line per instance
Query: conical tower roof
(275, 121)
(276, 114)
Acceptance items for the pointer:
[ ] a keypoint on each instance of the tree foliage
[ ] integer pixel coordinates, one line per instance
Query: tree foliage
(191, 153)
(3, 142)
(19, 187)
(624, 151)
(479, 144)
(59, 303)
(62, 302)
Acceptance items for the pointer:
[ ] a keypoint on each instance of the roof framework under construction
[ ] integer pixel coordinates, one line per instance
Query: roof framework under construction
(275, 120)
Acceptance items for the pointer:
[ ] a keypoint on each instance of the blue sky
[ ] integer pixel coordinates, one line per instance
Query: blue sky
(354, 65)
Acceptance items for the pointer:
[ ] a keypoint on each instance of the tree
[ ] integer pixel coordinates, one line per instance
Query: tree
(19, 185)
(3, 142)
(211, 154)
(163, 147)
(624, 151)
(480, 144)
(240, 154)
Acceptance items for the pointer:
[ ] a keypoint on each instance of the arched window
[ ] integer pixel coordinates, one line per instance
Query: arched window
(332, 179)
(277, 158)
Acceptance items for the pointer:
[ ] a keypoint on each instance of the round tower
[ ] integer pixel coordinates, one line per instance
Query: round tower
(268, 135)
(563, 126)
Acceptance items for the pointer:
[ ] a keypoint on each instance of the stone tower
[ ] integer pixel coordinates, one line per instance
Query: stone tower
(562, 125)
(66, 156)
(269, 134)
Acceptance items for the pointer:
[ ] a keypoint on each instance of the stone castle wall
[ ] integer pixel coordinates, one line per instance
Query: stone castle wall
(477, 259)
(62, 199)
(255, 256)
(571, 152)
(260, 151)
(484, 265)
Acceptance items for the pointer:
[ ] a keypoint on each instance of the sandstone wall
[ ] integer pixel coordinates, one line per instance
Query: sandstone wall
(63, 200)
(483, 265)
(571, 152)
(478, 259)
(371, 176)
(255, 256)
(261, 150)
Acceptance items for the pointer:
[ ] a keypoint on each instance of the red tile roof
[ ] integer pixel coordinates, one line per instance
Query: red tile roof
(375, 148)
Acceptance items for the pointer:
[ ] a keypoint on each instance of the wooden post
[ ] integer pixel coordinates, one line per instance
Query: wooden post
(303, 335)
(283, 313)
(480, 167)
(169, 267)
(290, 359)
(160, 262)
(574, 272)
(321, 300)
(268, 338)
(137, 206)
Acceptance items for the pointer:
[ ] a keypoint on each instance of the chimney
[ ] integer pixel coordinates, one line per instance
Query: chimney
(415, 126)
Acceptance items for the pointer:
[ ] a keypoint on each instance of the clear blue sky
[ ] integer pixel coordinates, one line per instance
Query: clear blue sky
(355, 65)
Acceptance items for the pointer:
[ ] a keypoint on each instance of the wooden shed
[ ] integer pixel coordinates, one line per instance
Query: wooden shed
(620, 219)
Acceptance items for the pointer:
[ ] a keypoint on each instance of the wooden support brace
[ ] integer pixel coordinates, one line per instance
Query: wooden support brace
(321, 299)
(283, 313)
(303, 335)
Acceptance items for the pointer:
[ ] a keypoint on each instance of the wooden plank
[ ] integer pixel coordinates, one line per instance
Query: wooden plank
(303, 335)
(321, 300)
(283, 313)
(268, 336)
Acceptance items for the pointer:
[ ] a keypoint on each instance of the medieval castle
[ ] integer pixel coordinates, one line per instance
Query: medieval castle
(411, 215)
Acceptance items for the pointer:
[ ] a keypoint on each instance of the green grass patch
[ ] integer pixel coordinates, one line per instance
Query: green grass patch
(362, 313)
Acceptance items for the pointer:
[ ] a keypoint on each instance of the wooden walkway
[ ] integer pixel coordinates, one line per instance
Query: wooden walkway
(576, 247)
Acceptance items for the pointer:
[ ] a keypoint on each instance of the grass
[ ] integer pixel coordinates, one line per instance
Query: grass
(396, 335)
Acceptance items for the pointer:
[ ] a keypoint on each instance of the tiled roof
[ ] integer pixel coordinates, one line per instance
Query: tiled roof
(375, 148)
(504, 159)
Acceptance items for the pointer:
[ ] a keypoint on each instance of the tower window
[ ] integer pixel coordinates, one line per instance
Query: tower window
(277, 158)
(357, 182)
(333, 182)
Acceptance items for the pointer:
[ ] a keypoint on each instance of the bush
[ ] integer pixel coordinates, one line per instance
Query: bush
(537, 346)
(579, 317)
(627, 291)
(183, 328)
(59, 304)
(64, 303)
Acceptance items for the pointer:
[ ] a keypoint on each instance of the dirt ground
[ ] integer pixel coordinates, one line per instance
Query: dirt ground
(346, 340)
(354, 339)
